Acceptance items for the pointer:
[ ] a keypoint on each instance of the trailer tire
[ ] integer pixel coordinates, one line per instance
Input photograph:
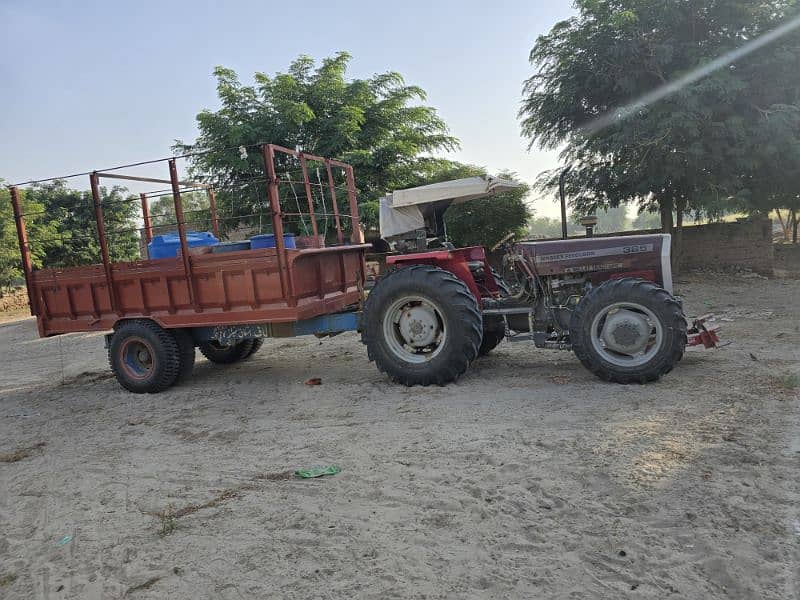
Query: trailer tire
(494, 328)
(441, 336)
(645, 305)
(226, 354)
(144, 356)
(186, 349)
(257, 343)
(491, 339)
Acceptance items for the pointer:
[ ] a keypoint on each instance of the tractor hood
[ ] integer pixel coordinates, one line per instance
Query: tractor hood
(405, 210)
(643, 256)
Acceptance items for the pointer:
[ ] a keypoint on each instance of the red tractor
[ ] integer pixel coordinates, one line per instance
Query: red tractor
(609, 299)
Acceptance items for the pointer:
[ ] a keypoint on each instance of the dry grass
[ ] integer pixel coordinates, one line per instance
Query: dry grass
(168, 518)
(143, 586)
(168, 521)
(20, 453)
(788, 382)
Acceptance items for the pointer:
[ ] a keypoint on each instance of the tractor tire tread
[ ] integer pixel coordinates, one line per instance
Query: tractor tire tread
(668, 310)
(431, 280)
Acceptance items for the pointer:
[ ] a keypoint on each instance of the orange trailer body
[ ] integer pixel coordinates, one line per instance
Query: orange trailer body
(263, 285)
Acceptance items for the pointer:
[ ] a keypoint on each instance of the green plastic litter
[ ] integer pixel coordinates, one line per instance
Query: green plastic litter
(317, 471)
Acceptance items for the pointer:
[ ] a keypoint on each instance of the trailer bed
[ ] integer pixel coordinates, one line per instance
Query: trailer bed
(229, 288)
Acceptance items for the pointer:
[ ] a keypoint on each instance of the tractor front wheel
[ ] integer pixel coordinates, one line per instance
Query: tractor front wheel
(628, 331)
(422, 325)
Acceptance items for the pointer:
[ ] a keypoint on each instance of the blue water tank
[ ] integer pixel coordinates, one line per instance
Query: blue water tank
(167, 245)
(267, 240)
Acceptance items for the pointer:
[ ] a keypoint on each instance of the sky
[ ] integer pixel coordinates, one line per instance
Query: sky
(89, 85)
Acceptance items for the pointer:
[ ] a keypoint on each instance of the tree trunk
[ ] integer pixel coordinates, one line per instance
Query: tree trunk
(784, 225)
(666, 214)
(677, 242)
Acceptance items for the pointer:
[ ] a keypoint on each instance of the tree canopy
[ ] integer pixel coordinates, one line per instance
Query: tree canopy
(630, 92)
(486, 221)
(376, 124)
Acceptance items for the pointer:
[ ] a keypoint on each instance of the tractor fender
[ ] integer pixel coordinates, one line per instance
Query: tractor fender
(455, 261)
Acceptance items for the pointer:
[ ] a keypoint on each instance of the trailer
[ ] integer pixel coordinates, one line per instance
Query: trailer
(159, 309)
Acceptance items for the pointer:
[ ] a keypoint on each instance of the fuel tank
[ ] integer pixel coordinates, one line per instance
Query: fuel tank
(602, 258)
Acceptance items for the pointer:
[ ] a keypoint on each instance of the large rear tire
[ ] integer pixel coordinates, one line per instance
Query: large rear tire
(422, 325)
(144, 357)
(628, 331)
(225, 354)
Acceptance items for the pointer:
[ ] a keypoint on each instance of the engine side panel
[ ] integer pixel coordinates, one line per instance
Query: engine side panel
(603, 258)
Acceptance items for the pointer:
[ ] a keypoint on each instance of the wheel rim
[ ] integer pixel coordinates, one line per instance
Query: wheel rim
(138, 358)
(627, 334)
(414, 329)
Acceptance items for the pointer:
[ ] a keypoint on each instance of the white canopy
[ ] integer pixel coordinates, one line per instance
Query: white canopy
(402, 210)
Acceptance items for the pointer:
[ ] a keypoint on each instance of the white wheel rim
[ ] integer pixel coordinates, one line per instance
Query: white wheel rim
(643, 351)
(414, 329)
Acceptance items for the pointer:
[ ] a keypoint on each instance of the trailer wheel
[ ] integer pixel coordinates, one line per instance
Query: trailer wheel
(494, 328)
(491, 339)
(628, 331)
(144, 357)
(225, 354)
(422, 326)
(186, 349)
(257, 343)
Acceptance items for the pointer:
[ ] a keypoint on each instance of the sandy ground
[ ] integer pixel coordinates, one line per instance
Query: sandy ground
(528, 478)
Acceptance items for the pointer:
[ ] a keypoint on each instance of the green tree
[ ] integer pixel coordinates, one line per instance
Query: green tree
(71, 238)
(377, 124)
(611, 220)
(196, 211)
(647, 220)
(486, 221)
(628, 89)
(550, 228)
(37, 226)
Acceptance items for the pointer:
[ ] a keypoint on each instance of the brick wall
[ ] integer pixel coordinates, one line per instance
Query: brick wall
(746, 244)
(787, 259)
(13, 300)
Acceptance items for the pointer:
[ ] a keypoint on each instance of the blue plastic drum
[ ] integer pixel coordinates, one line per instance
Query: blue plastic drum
(267, 240)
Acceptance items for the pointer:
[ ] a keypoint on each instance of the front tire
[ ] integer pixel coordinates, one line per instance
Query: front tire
(144, 357)
(628, 331)
(422, 325)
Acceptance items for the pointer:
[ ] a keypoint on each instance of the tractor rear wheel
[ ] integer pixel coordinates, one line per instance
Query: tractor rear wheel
(225, 354)
(144, 357)
(628, 331)
(422, 325)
